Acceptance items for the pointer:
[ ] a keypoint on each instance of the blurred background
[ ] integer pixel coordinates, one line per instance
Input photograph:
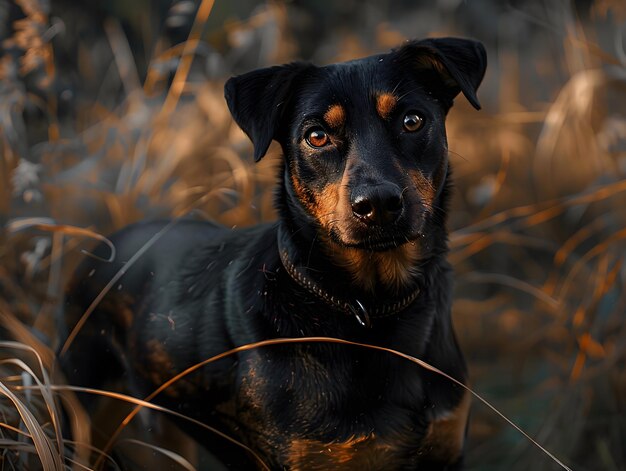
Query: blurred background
(112, 111)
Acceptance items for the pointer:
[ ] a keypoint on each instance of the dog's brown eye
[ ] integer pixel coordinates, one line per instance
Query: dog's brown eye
(412, 122)
(317, 137)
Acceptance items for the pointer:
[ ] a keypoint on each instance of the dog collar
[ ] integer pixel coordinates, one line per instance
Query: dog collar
(363, 314)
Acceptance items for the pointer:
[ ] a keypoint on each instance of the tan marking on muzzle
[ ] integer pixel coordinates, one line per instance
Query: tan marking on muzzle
(323, 205)
(428, 187)
(385, 103)
(335, 117)
(304, 196)
(326, 204)
(425, 188)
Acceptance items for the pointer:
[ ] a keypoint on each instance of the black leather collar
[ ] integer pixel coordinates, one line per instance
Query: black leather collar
(363, 312)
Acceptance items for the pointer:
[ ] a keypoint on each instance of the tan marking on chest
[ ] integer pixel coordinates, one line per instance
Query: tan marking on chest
(446, 435)
(335, 117)
(358, 452)
(385, 103)
(393, 268)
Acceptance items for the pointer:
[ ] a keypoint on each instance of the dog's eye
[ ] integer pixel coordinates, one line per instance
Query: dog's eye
(412, 122)
(317, 137)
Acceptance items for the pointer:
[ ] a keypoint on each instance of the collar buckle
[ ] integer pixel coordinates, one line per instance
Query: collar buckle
(360, 313)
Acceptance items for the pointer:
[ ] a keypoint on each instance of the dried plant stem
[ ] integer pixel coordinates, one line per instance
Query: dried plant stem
(282, 341)
(180, 78)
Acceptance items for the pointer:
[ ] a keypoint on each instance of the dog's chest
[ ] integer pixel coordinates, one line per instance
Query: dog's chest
(309, 416)
(363, 452)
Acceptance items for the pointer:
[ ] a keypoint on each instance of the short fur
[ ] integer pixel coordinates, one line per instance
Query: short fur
(358, 253)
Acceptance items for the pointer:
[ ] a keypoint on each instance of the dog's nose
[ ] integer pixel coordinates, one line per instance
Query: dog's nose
(377, 205)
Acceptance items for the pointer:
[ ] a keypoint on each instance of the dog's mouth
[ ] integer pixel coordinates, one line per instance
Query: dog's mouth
(377, 242)
(382, 245)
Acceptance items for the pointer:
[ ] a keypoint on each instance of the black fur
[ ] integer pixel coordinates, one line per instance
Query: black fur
(202, 289)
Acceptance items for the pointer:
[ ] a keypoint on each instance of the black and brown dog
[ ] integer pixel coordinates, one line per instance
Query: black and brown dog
(358, 253)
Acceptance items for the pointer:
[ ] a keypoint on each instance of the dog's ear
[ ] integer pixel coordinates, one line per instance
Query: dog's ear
(257, 102)
(459, 63)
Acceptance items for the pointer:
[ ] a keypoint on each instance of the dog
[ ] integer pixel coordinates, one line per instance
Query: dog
(358, 253)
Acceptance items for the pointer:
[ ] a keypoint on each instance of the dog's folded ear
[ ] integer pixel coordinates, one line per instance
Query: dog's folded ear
(459, 63)
(257, 101)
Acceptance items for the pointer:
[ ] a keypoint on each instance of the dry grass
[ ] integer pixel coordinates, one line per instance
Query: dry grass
(539, 221)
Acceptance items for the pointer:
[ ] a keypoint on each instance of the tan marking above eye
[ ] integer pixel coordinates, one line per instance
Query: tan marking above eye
(335, 117)
(385, 103)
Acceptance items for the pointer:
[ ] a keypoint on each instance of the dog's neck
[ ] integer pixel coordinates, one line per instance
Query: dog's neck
(316, 275)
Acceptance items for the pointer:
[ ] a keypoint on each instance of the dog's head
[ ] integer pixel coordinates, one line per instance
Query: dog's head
(364, 141)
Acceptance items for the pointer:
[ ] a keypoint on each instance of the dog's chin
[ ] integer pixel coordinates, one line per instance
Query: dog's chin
(374, 243)
(382, 245)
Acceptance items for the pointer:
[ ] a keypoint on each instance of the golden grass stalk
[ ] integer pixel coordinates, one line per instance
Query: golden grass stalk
(180, 78)
(48, 225)
(47, 452)
(283, 341)
(179, 460)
